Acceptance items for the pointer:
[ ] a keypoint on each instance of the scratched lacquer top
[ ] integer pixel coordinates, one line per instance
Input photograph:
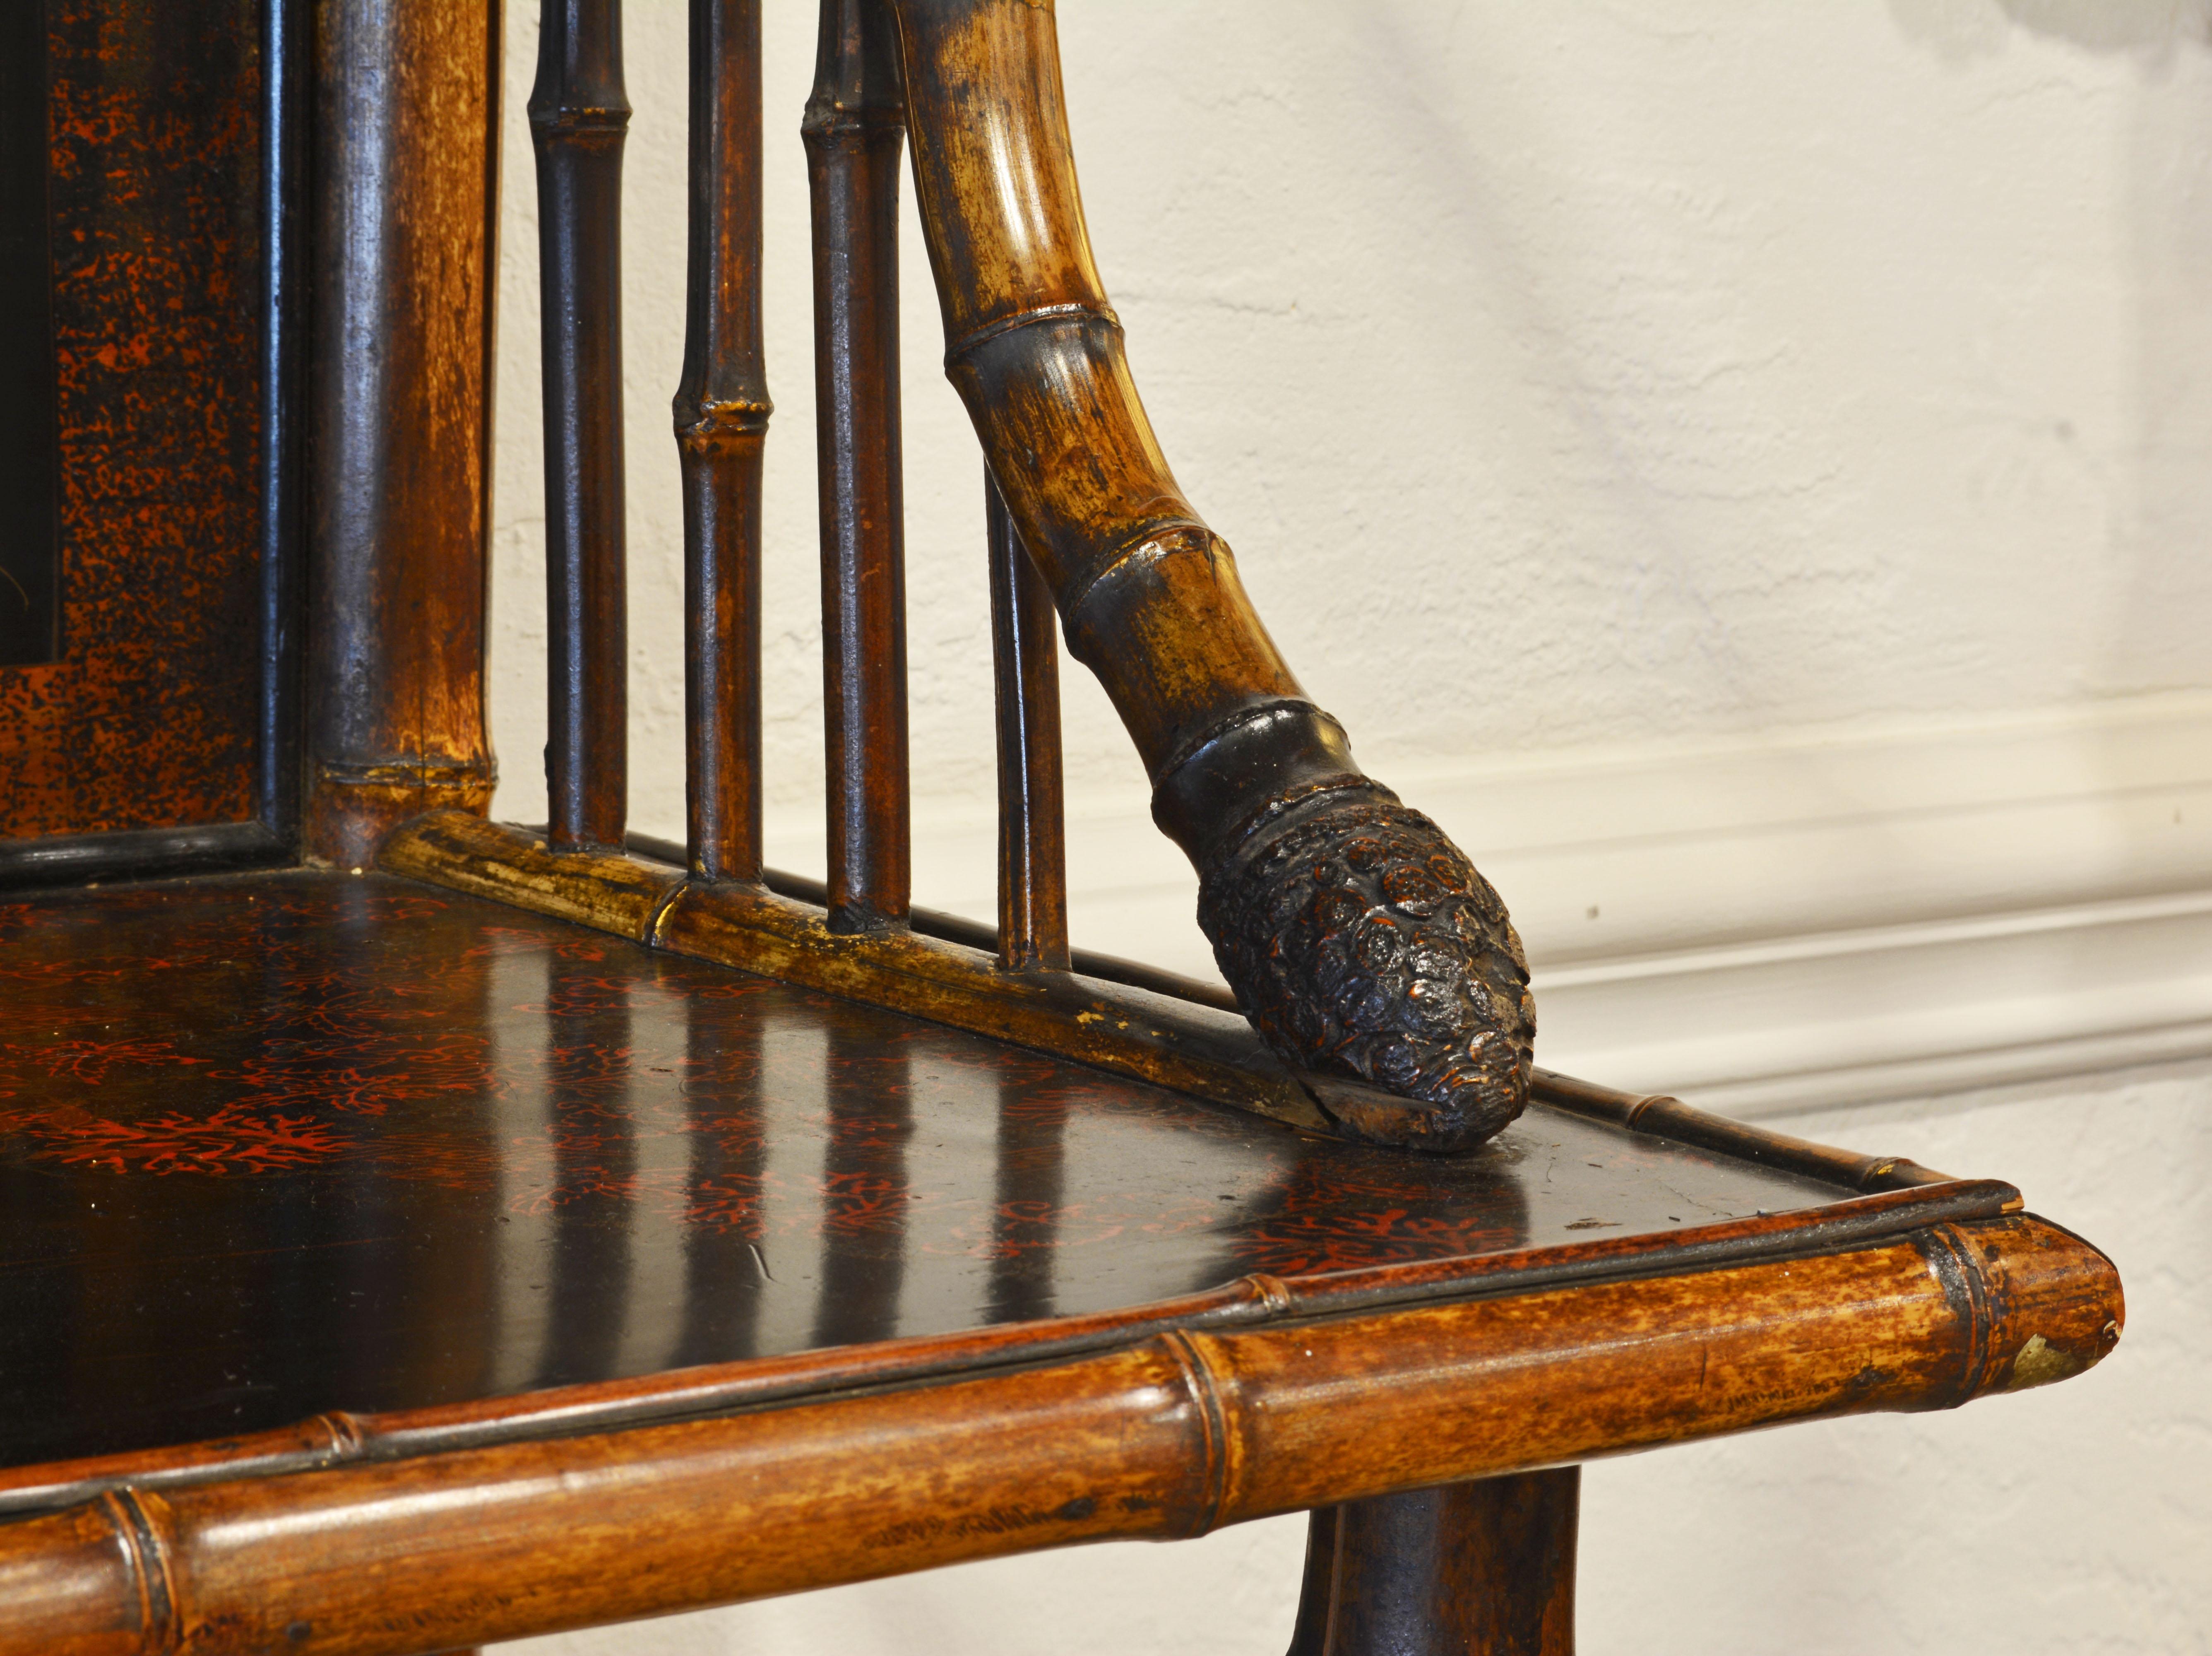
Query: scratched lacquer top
(277, 1144)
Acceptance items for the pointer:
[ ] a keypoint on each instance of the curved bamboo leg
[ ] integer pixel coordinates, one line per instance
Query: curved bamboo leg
(1358, 938)
(1482, 1569)
(1309, 1636)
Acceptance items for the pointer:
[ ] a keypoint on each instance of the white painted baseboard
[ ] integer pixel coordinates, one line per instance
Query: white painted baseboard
(1781, 922)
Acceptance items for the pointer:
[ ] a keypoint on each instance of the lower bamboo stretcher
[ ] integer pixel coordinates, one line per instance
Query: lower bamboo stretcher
(1176, 1431)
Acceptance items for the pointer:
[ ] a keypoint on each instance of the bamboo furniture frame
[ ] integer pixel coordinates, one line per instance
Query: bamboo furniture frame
(1431, 1410)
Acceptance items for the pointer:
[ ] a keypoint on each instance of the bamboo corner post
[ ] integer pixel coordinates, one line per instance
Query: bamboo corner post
(405, 114)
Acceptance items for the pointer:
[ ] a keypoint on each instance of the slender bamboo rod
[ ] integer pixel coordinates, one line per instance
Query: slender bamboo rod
(721, 411)
(1032, 818)
(578, 116)
(855, 134)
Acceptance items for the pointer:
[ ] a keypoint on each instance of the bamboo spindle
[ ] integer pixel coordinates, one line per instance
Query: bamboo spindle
(578, 116)
(855, 134)
(721, 411)
(1032, 816)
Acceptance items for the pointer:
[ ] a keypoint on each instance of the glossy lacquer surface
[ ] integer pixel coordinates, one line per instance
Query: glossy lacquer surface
(276, 1144)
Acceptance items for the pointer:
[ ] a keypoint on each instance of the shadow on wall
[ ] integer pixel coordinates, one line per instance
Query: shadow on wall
(2165, 519)
(2153, 476)
(1959, 31)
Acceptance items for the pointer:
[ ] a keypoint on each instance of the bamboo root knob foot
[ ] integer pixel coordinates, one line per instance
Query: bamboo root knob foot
(1361, 942)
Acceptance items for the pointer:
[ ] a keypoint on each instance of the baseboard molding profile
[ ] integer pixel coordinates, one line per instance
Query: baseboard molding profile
(1808, 921)
(1763, 1098)
(1779, 923)
(1896, 1012)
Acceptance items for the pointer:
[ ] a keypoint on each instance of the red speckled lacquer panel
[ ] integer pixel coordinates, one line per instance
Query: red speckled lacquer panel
(280, 1143)
(149, 718)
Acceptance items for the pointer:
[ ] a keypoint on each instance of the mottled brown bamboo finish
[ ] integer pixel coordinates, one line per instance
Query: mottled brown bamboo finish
(853, 133)
(607, 893)
(1171, 1435)
(1150, 596)
(578, 117)
(337, 1438)
(405, 160)
(721, 411)
(1032, 800)
(1484, 1567)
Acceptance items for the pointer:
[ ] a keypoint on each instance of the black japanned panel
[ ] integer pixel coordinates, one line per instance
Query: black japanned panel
(158, 352)
(30, 566)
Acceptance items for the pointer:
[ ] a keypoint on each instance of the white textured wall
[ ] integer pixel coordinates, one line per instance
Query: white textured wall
(1746, 468)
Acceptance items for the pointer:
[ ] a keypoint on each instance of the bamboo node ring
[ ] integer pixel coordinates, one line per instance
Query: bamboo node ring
(1100, 314)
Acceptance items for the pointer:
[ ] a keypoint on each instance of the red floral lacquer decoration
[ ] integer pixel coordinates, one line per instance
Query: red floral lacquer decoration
(231, 1141)
(90, 1061)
